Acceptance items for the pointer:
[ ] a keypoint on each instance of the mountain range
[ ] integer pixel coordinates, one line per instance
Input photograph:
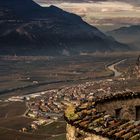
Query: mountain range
(129, 35)
(26, 28)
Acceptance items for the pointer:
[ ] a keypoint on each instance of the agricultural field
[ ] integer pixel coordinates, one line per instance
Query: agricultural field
(34, 73)
(12, 120)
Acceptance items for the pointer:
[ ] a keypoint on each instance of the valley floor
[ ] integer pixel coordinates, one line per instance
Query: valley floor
(35, 112)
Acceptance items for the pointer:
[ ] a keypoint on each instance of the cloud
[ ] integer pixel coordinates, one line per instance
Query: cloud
(135, 2)
(102, 9)
(116, 21)
(102, 12)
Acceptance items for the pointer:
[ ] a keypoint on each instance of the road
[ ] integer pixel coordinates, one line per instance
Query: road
(112, 68)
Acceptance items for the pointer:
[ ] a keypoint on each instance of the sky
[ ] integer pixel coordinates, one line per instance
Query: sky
(105, 14)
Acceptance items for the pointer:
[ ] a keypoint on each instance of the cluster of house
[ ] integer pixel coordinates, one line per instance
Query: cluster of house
(52, 103)
(35, 125)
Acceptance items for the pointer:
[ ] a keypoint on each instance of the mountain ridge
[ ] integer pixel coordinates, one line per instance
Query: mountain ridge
(50, 30)
(129, 35)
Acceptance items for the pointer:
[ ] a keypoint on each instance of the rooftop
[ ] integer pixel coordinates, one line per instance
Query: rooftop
(86, 118)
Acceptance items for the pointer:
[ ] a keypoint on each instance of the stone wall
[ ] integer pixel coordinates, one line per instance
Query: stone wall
(76, 134)
(127, 108)
(71, 132)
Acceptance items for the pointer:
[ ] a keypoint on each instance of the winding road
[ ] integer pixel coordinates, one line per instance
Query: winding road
(112, 68)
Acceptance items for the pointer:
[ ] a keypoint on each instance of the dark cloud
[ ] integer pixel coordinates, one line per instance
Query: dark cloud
(135, 2)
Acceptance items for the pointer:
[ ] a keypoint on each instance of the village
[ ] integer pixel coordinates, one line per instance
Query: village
(48, 106)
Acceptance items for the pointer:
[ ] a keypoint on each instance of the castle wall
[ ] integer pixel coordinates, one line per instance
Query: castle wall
(127, 108)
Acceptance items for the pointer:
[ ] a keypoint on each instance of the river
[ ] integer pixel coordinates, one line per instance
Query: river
(112, 68)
